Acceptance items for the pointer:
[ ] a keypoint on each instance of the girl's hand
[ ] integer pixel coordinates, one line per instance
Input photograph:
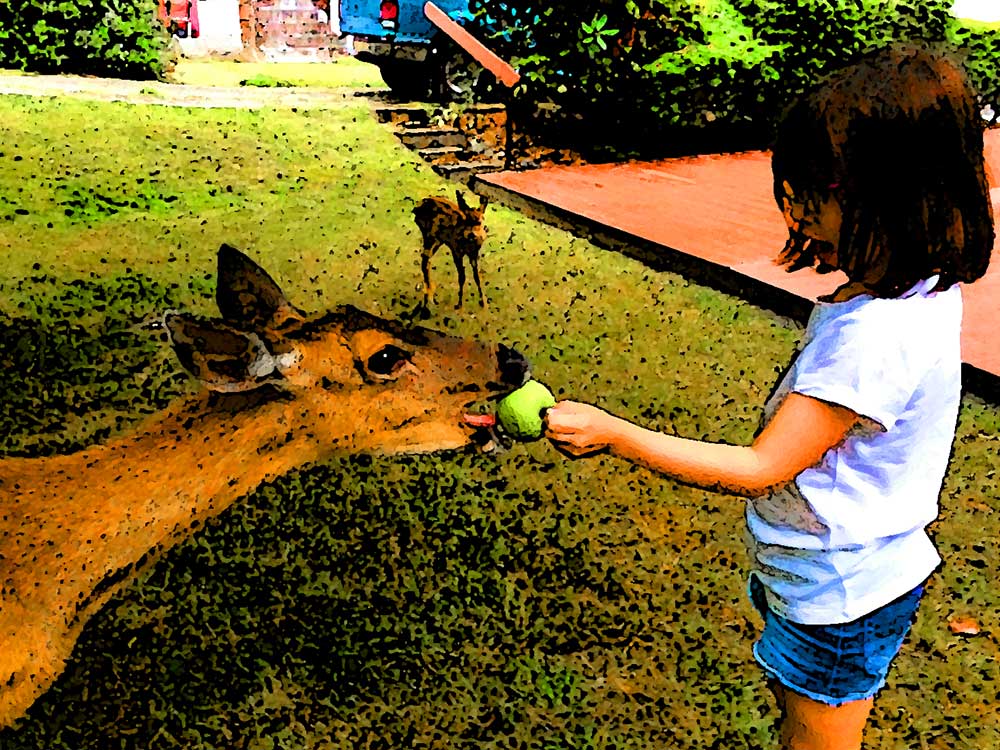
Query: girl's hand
(579, 429)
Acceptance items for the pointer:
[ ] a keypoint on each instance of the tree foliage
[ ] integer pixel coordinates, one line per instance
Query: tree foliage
(113, 38)
(675, 76)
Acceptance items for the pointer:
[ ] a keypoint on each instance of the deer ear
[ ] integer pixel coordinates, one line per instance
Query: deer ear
(248, 298)
(221, 357)
(462, 204)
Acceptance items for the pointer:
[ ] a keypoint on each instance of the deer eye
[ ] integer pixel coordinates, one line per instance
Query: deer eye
(387, 360)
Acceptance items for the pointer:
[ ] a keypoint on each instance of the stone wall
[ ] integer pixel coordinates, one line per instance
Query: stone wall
(289, 29)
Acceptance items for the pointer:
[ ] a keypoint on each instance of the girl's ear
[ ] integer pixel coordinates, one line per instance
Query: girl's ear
(795, 254)
(221, 357)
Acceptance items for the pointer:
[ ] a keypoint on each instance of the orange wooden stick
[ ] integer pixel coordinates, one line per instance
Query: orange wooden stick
(499, 67)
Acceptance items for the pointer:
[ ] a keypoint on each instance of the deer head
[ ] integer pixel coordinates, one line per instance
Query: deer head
(362, 381)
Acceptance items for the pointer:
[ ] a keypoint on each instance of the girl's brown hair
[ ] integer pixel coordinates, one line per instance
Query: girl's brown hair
(897, 141)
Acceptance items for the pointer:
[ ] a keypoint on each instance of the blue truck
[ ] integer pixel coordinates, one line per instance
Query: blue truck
(416, 59)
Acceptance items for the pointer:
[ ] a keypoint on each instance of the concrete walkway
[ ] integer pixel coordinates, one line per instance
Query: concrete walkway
(174, 94)
(714, 218)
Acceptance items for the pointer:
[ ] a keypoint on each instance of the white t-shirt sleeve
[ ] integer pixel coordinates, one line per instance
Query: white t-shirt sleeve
(856, 363)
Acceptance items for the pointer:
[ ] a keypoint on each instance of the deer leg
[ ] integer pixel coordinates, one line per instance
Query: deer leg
(474, 262)
(425, 267)
(457, 256)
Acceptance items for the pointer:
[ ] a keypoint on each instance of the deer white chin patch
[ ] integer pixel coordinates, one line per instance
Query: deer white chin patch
(288, 359)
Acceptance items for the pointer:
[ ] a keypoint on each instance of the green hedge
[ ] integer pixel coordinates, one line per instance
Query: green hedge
(656, 76)
(981, 49)
(112, 38)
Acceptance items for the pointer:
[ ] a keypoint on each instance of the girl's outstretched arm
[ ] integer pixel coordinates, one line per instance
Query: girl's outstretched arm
(801, 431)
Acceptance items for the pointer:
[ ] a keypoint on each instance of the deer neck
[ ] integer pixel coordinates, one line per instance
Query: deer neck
(209, 447)
(71, 521)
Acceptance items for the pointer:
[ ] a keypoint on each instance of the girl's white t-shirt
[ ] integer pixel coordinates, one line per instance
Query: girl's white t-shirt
(848, 536)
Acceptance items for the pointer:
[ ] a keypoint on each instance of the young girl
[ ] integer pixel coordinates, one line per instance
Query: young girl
(879, 173)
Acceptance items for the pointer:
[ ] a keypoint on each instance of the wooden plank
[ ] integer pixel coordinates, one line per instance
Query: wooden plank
(499, 67)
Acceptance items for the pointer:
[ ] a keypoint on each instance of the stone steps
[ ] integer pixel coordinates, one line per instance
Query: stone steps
(465, 170)
(458, 143)
(297, 33)
(403, 114)
(419, 136)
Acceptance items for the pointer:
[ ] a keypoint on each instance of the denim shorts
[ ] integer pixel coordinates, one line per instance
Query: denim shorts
(833, 664)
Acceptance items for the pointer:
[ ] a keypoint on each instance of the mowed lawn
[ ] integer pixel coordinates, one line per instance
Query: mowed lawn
(453, 600)
(345, 72)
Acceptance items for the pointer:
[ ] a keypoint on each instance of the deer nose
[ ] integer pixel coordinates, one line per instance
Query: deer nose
(514, 367)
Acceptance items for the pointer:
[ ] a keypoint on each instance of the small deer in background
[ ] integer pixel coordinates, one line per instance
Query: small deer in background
(460, 227)
(280, 389)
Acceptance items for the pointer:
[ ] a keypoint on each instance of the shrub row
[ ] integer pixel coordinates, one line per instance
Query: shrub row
(657, 76)
(112, 38)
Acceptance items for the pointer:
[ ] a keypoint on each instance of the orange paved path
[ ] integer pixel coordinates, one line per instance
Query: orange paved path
(720, 208)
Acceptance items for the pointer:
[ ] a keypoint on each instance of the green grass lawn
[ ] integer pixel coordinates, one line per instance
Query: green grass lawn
(521, 601)
(340, 72)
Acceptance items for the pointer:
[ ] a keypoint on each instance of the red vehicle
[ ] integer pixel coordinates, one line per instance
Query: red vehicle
(180, 17)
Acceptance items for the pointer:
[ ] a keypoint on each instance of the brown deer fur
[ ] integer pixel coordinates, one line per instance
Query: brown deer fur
(283, 390)
(461, 228)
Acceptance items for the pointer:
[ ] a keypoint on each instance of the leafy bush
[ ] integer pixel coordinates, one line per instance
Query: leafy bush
(815, 37)
(667, 77)
(581, 56)
(113, 38)
(981, 49)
